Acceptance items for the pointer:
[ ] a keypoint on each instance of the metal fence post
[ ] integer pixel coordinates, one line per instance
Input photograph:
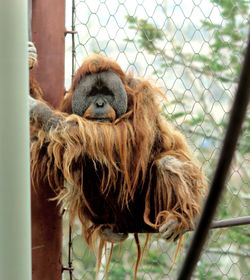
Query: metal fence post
(15, 232)
(48, 26)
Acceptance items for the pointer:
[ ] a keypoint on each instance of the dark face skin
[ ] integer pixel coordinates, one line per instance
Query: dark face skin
(100, 97)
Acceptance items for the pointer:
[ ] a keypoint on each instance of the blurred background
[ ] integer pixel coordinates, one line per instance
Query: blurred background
(193, 50)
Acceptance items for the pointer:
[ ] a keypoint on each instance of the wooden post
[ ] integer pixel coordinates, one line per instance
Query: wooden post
(48, 27)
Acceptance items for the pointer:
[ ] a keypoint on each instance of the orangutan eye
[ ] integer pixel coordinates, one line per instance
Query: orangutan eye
(100, 91)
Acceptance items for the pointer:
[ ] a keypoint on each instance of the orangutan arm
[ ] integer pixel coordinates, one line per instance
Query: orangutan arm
(39, 110)
(177, 194)
(42, 113)
(184, 185)
(180, 184)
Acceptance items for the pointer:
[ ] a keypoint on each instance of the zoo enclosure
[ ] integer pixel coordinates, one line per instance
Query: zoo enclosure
(185, 47)
(196, 62)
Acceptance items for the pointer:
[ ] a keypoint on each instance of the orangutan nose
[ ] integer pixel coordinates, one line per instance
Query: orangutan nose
(100, 102)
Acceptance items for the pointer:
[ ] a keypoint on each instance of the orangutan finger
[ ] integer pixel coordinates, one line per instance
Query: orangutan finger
(163, 228)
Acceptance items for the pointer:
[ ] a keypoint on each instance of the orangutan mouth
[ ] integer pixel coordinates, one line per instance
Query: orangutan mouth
(100, 119)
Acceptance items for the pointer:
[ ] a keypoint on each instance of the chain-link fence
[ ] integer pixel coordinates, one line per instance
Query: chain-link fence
(193, 51)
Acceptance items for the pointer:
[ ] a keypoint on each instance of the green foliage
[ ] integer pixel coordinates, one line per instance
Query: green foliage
(203, 272)
(238, 235)
(148, 33)
(244, 146)
(229, 38)
(226, 46)
(118, 272)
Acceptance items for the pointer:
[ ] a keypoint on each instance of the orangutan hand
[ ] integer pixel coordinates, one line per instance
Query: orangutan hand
(32, 55)
(171, 230)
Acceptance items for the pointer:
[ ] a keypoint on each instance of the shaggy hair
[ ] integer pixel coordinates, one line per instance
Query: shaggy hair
(126, 157)
(35, 89)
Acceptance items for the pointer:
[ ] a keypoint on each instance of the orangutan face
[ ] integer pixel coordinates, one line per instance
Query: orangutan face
(100, 97)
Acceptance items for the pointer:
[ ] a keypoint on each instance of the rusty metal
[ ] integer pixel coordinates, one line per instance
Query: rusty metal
(237, 117)
(67, 269)
(70, 32)
(48, 27)
(46, 235)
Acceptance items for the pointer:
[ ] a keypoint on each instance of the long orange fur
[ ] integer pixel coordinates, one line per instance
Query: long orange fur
(131, 146)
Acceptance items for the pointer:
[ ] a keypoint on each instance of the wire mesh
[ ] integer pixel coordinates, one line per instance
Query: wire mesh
(193, 51)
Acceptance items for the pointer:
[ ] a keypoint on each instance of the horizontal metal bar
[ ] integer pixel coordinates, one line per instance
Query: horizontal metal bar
(72, 32)
(64, 268)
(233, 222)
